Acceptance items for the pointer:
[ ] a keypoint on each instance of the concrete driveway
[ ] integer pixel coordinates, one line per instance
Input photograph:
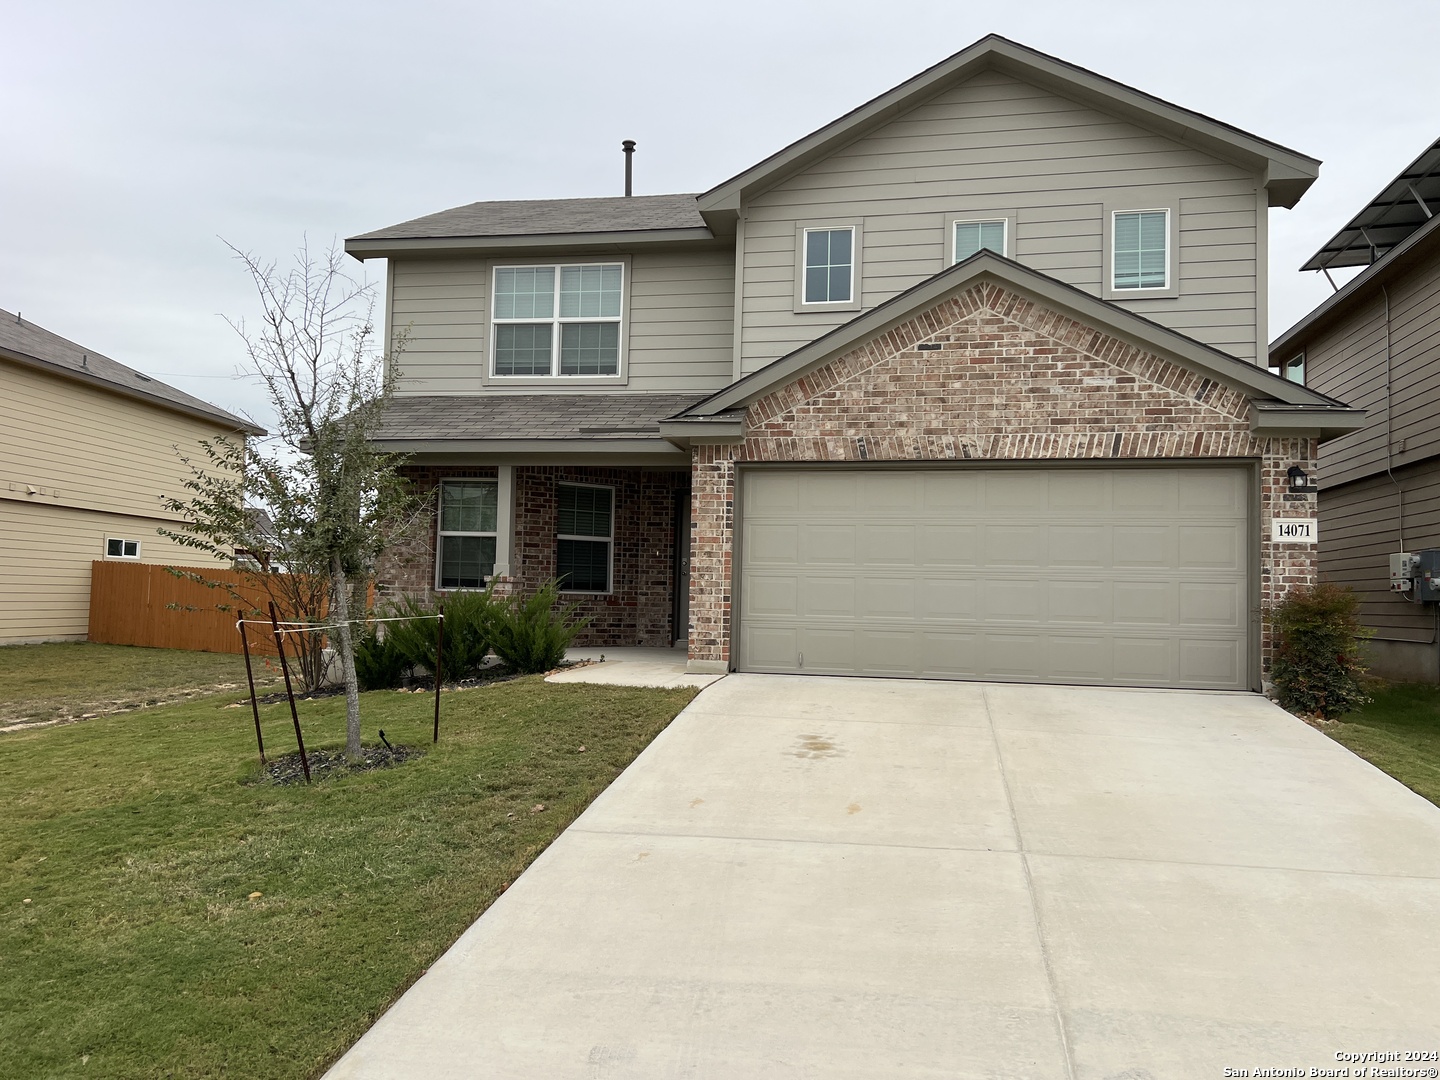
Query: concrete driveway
(810, 877)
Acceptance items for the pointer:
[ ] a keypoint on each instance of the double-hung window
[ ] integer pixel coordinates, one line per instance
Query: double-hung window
(1140, 249)
(466, 556)
(975, 236)
(557, 321)
(586, 538)
(829, 272)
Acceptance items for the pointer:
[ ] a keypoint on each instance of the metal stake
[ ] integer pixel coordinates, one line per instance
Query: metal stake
(250, 678)
(289, 691)
(439, 663)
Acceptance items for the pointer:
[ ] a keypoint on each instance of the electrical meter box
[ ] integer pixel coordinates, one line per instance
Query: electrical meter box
(1402, 571)
(1427, 574)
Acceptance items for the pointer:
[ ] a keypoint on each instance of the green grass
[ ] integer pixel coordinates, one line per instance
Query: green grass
(1399, 732)
(69, 679)
(138, 839)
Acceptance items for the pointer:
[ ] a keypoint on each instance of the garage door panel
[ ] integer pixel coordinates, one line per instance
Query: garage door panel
(1086, 574)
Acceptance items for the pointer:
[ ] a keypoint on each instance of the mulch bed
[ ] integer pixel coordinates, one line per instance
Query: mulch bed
(323, 763)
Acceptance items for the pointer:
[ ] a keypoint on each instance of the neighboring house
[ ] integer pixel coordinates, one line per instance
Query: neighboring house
(1376, 343)
(965, 384)
(88, 447)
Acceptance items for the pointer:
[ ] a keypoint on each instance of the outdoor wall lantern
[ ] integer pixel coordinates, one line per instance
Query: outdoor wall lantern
(1300, 480)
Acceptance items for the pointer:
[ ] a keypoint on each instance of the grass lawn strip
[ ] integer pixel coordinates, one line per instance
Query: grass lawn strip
(138, 841)
(64, 681)
(1399, 733)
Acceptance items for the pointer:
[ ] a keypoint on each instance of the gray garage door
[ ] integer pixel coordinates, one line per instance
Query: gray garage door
(1127, 577)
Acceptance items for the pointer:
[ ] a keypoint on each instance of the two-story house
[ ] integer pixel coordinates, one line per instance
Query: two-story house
(88, 449)
(1376, 343)
(968, 383)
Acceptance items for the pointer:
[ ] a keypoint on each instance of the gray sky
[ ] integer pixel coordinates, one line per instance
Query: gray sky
(142, 133)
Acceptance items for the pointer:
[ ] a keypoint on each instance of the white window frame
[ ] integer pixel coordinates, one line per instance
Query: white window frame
(608, 541)
(857, 243)
(1148, 290)
(123, 544)
(1283, 370)
(1005, 221)
(556, 321)
(441, 532)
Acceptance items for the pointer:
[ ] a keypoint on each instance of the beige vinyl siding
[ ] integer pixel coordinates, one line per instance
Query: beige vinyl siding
(86, 448)
(1360, 527)
(100, 464)
(992, 144)
(1347, 361)
(45, 574)
(681, 322)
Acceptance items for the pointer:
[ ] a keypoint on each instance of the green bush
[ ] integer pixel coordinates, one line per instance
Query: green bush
(1317, 665)
(468, 616)
(379, 663)
(530, 634)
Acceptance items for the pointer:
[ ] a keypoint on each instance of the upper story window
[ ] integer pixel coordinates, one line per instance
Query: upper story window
(466, 543)
(829, 274)
(1292, 369)
(553, 321)
(1140, 249)
(975, 236)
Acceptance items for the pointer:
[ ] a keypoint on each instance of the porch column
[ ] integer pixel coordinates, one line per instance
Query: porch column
(504, 520)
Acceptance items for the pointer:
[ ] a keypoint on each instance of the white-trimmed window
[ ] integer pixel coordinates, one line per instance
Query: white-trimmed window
(1140, 249)
(465, 555)
(586, 542)
(116, 548)
(557, 321)
(970, 237)
(829, 269)
(1292, 369)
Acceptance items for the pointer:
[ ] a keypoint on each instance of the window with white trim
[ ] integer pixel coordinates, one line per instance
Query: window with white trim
(975, 236)
(1292, 369)
(1140, 249)
(829, 270)
(557, 321)
(116, 548)
(586, 538)
(465, 555)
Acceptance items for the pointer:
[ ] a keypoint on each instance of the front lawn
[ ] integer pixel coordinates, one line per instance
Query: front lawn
(1398, 732)
(132, 846)
(67, 680)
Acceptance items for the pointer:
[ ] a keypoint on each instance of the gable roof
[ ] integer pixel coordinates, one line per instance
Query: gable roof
(1279, 403)
(1402, 206)
(571, 221)
(33, 346)
(1287, 172)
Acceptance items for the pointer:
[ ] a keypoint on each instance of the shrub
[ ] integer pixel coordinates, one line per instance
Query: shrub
(467, 632)
(1316, 665)
(379, 663)
(531, 634)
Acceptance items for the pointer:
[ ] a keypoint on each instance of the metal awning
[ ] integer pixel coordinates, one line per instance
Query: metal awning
(1405, 204)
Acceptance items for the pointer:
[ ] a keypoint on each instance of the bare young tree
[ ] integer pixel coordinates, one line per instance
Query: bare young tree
(332, 498)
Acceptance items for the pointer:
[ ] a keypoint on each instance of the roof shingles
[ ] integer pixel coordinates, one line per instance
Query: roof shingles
(539, 217)
(529, 416)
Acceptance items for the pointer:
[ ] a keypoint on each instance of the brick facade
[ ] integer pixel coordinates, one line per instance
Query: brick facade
(1012, 380)
(639, 608)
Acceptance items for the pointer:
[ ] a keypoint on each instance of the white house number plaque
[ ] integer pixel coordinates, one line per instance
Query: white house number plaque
(1294, 530)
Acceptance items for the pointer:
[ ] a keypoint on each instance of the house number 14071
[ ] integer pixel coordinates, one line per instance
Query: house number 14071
(1293, 530)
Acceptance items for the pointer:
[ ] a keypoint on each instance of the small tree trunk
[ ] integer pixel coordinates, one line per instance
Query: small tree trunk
(340, 601)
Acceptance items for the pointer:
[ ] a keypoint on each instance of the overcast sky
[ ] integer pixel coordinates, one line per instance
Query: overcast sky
(140, 134)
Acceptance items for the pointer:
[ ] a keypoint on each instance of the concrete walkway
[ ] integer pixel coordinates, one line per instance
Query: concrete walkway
(844, 878)
(631, 667)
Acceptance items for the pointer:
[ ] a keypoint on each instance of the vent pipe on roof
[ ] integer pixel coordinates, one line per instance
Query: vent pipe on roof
(628, 147)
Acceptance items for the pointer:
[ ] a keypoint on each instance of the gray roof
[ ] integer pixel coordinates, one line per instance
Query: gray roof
(541, 217)
(1404, 205)
(37, 347)
(529, 416)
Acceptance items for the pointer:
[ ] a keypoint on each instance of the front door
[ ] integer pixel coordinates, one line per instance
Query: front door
(681, 624)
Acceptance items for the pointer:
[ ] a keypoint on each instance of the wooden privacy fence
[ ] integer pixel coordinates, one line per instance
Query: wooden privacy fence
(145, 604)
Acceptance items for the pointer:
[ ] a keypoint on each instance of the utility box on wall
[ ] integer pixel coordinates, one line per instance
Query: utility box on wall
(1427, 574)
(1402, 571)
